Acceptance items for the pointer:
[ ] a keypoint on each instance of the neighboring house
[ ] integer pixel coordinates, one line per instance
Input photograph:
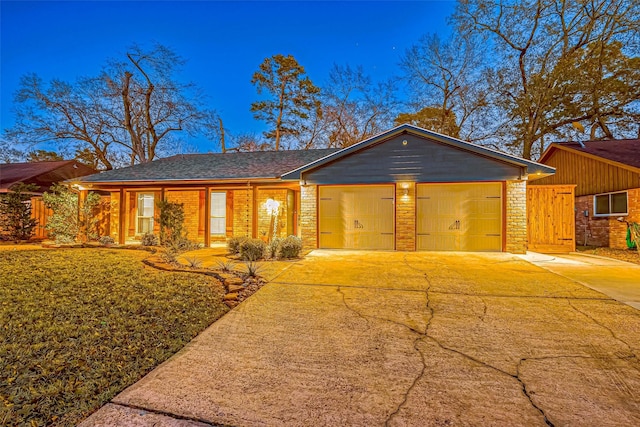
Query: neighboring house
(406, 189)
(607, 179)
(43, 175)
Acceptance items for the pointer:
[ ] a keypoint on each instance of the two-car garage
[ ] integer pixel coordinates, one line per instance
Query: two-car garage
(411, 189)
(450, 217)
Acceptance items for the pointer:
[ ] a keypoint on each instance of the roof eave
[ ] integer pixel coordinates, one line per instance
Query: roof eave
(138, 182)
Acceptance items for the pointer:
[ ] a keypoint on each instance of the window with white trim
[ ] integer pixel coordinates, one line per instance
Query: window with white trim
(610, 204)
(145, 213)
(219, 213)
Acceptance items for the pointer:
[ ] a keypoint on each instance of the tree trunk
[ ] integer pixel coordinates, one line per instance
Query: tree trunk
(222, 145)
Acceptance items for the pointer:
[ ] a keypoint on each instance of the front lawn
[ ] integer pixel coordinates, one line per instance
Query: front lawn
(77, 326)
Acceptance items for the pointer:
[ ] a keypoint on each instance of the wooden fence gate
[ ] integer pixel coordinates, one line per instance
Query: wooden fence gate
(551, 222)
(40, 213)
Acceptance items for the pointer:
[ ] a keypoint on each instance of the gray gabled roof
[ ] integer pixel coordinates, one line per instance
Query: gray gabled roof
(534, 169)
(213, 167)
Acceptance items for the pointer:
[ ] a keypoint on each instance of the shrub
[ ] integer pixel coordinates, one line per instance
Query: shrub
(70, 218)
(183, 244)
(290, 247)
(106, 240)
(252, 249)
(233, 245)
(171, 221)
(149, 239)
(63, 223)
(193, 262)
(15, 212)
(89, 210)
(253, 268)
(227, 266)
(272, 248)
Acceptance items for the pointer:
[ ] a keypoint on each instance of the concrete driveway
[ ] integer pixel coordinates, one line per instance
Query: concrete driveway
(392, 338)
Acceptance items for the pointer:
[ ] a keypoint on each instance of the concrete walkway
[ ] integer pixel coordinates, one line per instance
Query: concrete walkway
(391, 338)
(617, 279)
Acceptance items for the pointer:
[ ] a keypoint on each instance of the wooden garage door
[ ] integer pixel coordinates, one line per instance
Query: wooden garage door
(356, 217)
(459, 217)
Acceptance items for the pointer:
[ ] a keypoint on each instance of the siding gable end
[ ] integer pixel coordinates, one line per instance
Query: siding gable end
(409, 157)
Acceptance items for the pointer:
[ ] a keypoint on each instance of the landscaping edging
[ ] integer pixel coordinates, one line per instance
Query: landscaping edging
(237, 288)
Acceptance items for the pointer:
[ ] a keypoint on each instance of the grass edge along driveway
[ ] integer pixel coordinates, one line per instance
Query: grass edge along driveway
(77, 326)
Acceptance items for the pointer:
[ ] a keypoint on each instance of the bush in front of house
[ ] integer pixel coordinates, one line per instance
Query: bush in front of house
(233, 245)
(71, 218)
(252, 249)
(272, 248)
(63, 224)
(149, 239)
(289, 247)
(106, 240)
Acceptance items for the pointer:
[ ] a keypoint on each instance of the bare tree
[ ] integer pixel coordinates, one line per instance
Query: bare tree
(555, 62)
(447, 86)
(126, 115)
(354, 107)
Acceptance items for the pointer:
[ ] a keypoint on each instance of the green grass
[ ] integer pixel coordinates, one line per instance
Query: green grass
(77, 326)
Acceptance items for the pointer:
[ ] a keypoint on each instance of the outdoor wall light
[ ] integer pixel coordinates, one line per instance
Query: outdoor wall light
(405, 191)
(405, 142)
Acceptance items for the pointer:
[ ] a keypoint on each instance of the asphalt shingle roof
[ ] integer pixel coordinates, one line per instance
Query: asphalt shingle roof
(214, 167)
(625, 151)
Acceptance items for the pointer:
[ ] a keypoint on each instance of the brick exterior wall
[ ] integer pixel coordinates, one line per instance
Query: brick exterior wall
(243, 212)
(264, 219)
(605, 231)
(190, 199)
(406, 217)
(309, 216)
(516, 217)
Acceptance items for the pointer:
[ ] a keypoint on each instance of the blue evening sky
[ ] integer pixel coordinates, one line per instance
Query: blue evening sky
(223, 42)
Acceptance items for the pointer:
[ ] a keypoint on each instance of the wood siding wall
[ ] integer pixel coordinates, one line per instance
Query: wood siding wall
(419, 160)
(590, 176)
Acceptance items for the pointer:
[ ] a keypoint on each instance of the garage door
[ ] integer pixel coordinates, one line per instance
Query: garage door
(356, 217)
(459, 217)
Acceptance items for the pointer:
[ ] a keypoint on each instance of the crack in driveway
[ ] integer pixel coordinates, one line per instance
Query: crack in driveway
(469, 357)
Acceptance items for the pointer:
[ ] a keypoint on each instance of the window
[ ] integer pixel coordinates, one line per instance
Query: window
(219, 213)
(610, 204)
(145, 213)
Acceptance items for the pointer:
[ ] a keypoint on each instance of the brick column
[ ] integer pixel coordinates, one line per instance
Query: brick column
(406, 216)
(516, 217)
(309, 216)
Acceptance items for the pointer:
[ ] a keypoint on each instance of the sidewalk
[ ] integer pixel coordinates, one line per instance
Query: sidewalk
(618, 279)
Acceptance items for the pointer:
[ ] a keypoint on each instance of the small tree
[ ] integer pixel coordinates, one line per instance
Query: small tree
(171, 220)
(64, 223)
(88, 216)
(15, 212)
(71, 218)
